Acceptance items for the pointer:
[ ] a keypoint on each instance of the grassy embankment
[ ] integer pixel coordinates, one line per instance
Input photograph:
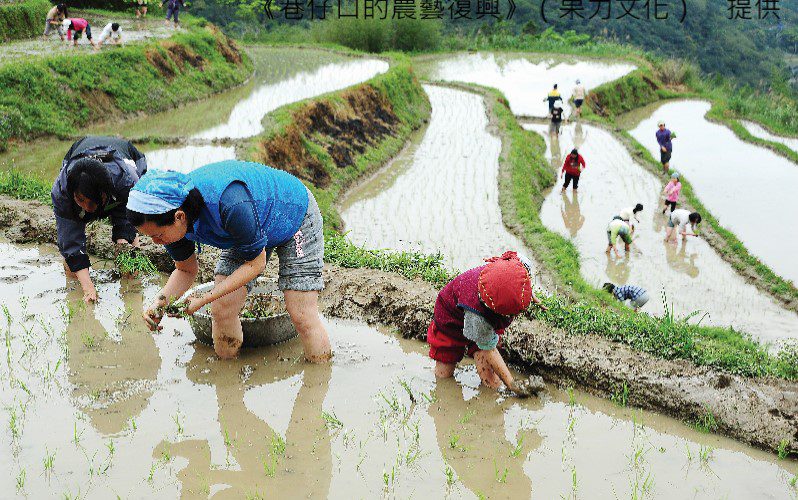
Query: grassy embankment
(332, 141)
(22, 19)
(645, 86)
(58, 95)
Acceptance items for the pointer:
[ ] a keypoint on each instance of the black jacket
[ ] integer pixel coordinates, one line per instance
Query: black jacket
(125, 165)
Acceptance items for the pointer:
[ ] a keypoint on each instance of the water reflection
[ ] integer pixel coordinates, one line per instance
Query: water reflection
(287, 456)
(678, 258)
(473, 438)
(572, 216)
(113, 363)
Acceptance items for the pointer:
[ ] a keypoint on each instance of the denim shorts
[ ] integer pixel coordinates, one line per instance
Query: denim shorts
(301, 259)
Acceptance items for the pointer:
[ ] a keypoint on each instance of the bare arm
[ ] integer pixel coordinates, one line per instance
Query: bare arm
(495, 360)
(179, 282)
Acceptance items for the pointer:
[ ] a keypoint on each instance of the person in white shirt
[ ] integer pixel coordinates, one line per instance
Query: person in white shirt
(579, 97)
(680, 218)
(629, 215)
(112, 31)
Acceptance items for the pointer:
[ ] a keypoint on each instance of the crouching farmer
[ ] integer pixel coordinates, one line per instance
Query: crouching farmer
(248, 210)
(95, 178)
(471, 313)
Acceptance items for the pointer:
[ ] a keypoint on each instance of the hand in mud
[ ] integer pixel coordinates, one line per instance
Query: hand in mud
(154, 314)
(528, 387)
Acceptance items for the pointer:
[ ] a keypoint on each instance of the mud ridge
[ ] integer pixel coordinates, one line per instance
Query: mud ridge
(761, 412)
(344, 130)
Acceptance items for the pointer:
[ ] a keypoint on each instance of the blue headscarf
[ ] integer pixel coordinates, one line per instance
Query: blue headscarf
(159, 191)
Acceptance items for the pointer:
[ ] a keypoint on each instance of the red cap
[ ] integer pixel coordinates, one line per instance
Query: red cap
(504, 285)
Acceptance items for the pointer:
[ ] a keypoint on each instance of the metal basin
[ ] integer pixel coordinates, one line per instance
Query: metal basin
(257, 332)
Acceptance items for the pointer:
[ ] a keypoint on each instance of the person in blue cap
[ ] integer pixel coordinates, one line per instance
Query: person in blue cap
(248, 210)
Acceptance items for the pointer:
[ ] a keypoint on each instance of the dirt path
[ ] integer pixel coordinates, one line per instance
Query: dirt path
(761, 412)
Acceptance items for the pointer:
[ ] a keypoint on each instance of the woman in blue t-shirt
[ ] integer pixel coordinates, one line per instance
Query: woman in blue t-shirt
(248, 210)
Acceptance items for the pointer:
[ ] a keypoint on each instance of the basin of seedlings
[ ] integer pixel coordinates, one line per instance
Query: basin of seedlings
(264, 318)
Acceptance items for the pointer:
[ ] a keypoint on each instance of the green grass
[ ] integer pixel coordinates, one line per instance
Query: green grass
(22, 19)
(58, 95)
(16, 185)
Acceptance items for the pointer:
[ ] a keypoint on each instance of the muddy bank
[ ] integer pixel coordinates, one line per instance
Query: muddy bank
(757, 411)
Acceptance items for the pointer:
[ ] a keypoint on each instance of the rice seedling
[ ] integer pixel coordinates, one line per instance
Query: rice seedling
(454, 442)
(111, 448)
(705, 455)
(278, 445)
(76, 435)
(501, 476)
(571, 397)
(429, 398)
(448, 472)
(331, 421)
(794, 481)
(516, 451)
(134, 263)
(21, 480)
(88, 340)
(620, 396)
(48, 461)
(706, 423)
(132, 424)
(467, 417)
(783, 449)
(178, 423)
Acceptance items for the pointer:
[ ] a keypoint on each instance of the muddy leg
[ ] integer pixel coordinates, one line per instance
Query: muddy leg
(303, 307)
(485, 371)
(69, 274)
(226, 325)
(444, 370)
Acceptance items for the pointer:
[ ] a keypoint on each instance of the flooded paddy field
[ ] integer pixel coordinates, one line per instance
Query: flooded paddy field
(524, 79)
(133, 30)
(747, 188)
(690, 275)
(282, 76)
(758, 130)
(97, 406)
(441, 193)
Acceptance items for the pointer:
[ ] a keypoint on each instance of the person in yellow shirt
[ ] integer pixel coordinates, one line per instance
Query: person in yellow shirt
(553, 97)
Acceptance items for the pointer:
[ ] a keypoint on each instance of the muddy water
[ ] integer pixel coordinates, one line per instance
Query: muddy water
(749, 189)
(282, 76)
(440, 194)
(691, 274)
(758, 130)
(122, 412)
(525, 80)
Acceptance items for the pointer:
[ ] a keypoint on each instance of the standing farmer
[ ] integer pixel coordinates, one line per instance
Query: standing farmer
(173, 10)
(553, 97)
(664, 138)
(556, 119)
(141, 8)
(471, 313)
(94, 182)
(671, 192)
(572, 168)
(248, 210)
(579, 97)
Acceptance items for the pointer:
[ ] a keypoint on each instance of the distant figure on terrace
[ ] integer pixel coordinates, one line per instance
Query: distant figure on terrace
(76, 27)
(55, 17)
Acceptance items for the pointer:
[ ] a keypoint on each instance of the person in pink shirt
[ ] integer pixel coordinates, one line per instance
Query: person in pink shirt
(671, 192)
(79, 26)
